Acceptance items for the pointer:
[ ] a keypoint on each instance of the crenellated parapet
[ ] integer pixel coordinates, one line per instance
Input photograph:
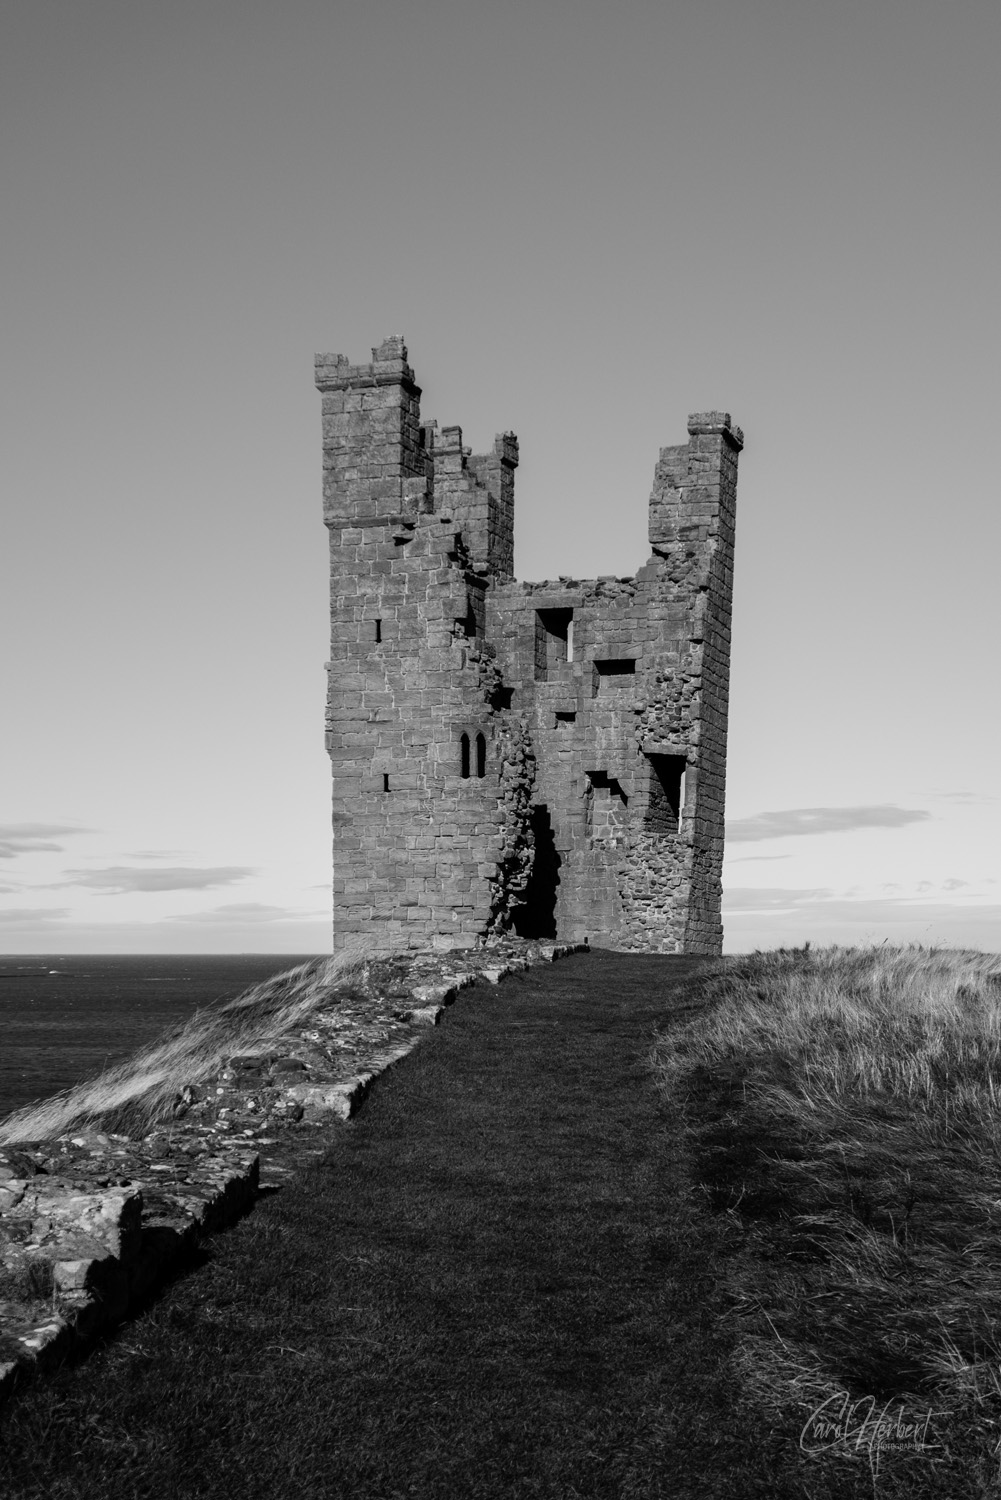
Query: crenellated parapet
(373, 445)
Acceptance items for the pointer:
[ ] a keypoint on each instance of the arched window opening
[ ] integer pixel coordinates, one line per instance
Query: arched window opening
(464, 756)
(481, 755)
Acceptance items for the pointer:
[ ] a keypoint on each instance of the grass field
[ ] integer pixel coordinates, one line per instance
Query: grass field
(842, 1114)
(493, 1283)
(626, 1227)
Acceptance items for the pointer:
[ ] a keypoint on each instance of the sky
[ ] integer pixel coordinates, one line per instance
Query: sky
(587, 220)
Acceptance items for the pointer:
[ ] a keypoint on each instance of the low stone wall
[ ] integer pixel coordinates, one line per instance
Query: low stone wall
(91, 1222)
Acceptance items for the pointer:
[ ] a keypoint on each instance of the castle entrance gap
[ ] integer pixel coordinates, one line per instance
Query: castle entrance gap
(536, 917)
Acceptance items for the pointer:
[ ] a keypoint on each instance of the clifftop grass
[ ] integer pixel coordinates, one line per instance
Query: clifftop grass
(842, 1111)
(493, 1283)
(138, 1093)
(526, 1269)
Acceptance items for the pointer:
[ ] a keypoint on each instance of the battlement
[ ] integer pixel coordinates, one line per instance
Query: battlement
(705, 422)
(335, 372)
(543, 757)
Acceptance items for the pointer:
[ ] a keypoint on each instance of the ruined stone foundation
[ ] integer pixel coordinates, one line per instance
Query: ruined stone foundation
(542, 758)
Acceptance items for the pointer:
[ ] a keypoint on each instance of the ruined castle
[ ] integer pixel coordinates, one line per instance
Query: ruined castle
(547, 758)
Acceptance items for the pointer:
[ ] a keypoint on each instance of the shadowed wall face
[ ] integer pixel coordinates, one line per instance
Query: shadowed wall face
(543, 756)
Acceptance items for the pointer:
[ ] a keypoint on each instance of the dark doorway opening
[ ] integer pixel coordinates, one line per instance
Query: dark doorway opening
(536, 917)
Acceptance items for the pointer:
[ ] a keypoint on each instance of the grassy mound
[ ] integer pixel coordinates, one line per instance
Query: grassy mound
(842, 1107)
(135, 1095)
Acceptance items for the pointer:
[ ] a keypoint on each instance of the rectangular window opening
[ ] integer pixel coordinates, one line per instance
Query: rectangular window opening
(666, 796)
(385, 781)
(607, 802)
(563, 719)
(378, 631)
(600, 781)
(611, 673)
(553, 640)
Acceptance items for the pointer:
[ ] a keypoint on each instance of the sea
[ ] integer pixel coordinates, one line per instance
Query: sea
(63, 1019)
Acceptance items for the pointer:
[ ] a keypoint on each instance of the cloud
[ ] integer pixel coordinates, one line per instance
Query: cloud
(28, 838)
(747, 900)
(771, 898)
(242, 911)
(862, 921)
(756, 859)
(118, 879)
(793, 821)
(39, 830)
(30, 916)
(973, 798)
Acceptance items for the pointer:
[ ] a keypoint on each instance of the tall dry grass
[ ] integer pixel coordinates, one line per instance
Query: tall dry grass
(920, 1025)
(137, 1094)
(842, 1107)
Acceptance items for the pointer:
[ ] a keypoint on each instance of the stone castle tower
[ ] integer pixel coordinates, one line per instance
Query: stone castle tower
(547, 758)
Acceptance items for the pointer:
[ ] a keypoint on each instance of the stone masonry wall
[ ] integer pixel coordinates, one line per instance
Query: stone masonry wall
(547, 757)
